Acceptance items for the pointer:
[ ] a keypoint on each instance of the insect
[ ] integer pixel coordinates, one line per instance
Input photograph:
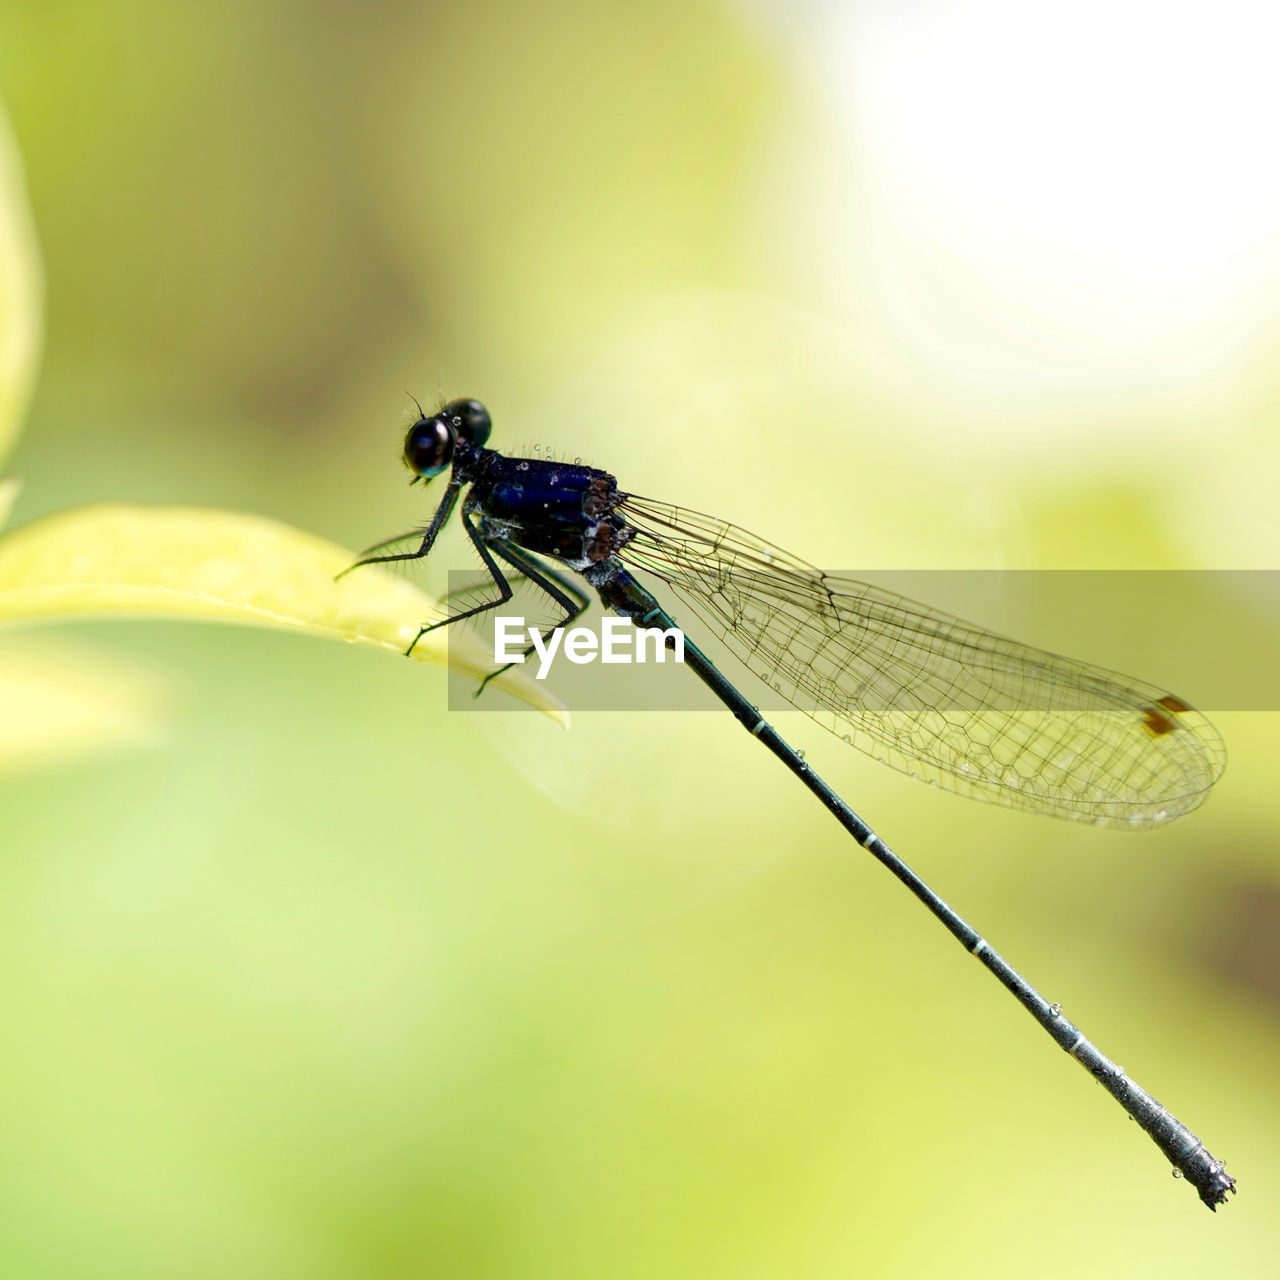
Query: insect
(919, 689)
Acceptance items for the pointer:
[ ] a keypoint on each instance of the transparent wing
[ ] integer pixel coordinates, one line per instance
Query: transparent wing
(930, 694)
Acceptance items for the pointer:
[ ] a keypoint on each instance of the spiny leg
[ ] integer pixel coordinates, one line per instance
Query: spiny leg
(504, 587)
(515, 579)
(442, 514)
(565, 592)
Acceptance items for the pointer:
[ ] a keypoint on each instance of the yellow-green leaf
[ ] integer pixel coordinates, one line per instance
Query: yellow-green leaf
(221, 566)
(21, 289)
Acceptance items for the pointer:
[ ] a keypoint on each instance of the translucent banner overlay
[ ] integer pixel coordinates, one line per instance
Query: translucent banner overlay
(1210, 637)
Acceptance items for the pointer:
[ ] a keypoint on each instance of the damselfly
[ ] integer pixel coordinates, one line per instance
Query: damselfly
(915, 687)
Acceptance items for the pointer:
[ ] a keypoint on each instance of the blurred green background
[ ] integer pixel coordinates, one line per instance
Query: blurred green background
(330, 982)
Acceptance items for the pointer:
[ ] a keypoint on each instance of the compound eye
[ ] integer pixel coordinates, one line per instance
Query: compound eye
(428, 448)
(470, 419)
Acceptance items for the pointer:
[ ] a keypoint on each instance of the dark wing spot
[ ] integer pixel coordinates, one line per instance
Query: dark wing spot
(1156, 723)
(1174, 704)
